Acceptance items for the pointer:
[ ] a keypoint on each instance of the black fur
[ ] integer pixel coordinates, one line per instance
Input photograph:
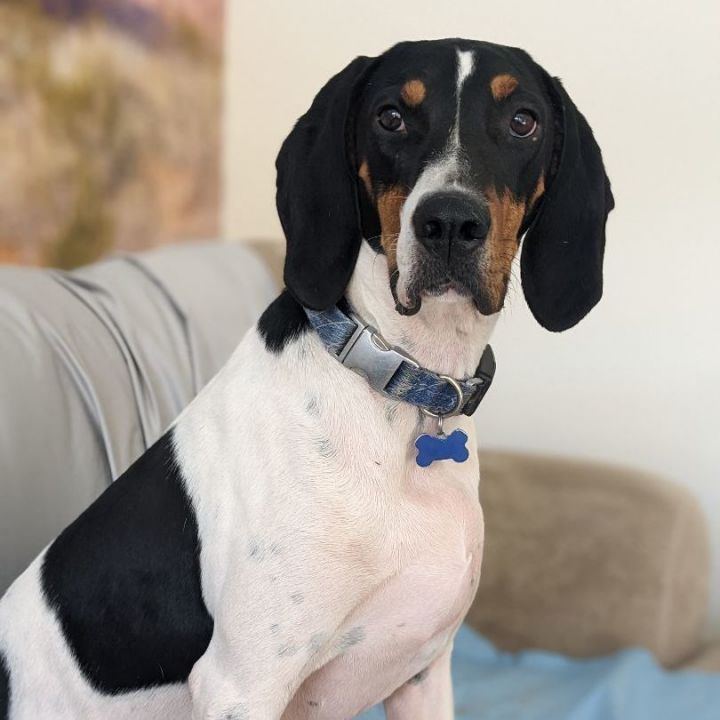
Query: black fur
(316, 192)
(124, 580)
(284, 320)
(4, 689)
(562, 256)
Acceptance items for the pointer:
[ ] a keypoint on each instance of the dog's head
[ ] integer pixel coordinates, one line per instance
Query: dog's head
(441, 155)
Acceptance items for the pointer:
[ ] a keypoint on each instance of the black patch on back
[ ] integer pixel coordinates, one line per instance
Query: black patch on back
(124, 580)
(283, 321)
(4, 689)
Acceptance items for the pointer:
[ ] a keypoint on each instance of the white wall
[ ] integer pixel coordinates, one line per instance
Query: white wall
(638, 381)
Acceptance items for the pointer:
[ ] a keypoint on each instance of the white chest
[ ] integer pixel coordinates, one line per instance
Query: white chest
(408, 619)
(324, 546)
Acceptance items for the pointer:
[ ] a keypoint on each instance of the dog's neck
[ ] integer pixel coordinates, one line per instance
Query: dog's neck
(447, 335)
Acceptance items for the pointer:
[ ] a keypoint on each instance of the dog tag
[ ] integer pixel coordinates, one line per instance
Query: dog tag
(441, 447)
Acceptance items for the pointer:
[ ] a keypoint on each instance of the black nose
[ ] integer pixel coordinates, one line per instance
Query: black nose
(449, 222)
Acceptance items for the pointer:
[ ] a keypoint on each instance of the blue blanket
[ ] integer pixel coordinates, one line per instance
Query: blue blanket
(492, 685)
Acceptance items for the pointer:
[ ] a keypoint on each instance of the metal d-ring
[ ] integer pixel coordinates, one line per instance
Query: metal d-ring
(456, 410)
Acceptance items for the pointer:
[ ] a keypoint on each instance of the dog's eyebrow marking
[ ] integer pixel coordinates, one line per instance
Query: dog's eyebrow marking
(501, 86)
(465, 66)
(413, 92)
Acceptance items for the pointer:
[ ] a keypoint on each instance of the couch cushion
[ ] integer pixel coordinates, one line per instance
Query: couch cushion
(585, 558)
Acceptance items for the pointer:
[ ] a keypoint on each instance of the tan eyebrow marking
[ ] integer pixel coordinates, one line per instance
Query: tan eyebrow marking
(503, 85)
(413, 92)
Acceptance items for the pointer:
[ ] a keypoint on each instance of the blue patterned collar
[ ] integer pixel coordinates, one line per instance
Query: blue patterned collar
(393, 372)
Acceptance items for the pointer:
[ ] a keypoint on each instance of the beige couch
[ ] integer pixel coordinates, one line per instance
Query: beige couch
(580, 558)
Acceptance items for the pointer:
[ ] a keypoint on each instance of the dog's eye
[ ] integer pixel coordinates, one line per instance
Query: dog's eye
(523, 124)
(390, 119)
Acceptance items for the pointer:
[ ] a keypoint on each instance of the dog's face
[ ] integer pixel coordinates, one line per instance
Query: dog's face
(441, 155)
(453, 143)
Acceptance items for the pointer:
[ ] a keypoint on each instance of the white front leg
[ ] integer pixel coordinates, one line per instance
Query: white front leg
(226, 685)
(428, 696)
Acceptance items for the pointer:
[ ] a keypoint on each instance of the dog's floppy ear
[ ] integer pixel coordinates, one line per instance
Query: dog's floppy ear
(563, 249)
(316, 192)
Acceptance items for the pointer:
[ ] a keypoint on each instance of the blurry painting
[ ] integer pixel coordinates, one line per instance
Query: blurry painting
(109, 126)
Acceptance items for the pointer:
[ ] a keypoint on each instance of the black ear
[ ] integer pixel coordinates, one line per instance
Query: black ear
(563, 249)
(316, 192)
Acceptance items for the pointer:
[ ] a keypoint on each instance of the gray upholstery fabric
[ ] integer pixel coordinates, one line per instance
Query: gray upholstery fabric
(96, 363)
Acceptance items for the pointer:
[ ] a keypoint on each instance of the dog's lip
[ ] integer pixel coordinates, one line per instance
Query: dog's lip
(446, 285)
(403, 309)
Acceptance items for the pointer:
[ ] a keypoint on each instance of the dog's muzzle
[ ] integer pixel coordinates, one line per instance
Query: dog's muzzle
(450, 228)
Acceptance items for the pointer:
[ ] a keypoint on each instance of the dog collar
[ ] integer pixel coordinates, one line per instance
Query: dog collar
(394, 373)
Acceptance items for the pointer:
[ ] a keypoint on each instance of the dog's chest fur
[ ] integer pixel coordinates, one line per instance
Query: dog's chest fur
(328, 540)
(326, 554)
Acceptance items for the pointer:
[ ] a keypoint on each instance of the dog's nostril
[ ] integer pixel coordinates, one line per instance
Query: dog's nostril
(433, 230)
(471, 230)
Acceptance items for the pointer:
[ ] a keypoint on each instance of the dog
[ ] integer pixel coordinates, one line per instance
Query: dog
(282, 552)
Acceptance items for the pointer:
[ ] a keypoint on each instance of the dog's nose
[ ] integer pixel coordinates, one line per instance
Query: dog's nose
(449, 222)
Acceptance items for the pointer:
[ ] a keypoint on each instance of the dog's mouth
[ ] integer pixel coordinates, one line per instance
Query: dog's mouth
(448, 286)
(429, 282)
(409, 296)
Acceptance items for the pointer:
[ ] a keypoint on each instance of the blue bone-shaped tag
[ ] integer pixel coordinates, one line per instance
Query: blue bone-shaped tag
(441, 447)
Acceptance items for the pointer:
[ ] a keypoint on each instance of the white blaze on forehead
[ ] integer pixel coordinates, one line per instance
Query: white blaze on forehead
(465, 65)
(438, 175)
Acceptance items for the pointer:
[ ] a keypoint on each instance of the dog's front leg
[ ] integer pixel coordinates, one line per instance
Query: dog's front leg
(230, 685)
(427, 696)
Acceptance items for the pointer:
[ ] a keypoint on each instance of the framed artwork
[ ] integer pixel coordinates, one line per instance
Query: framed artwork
(110, 126)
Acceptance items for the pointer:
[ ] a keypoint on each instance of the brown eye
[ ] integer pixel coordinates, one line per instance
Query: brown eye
(523, 124)
(391, 120)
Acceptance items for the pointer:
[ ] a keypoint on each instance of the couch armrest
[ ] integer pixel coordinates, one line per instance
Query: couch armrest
(584, 559)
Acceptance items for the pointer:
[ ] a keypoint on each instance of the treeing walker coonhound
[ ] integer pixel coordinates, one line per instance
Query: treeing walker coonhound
(305, 540)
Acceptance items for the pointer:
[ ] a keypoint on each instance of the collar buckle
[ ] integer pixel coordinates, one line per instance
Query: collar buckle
(367, 354)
